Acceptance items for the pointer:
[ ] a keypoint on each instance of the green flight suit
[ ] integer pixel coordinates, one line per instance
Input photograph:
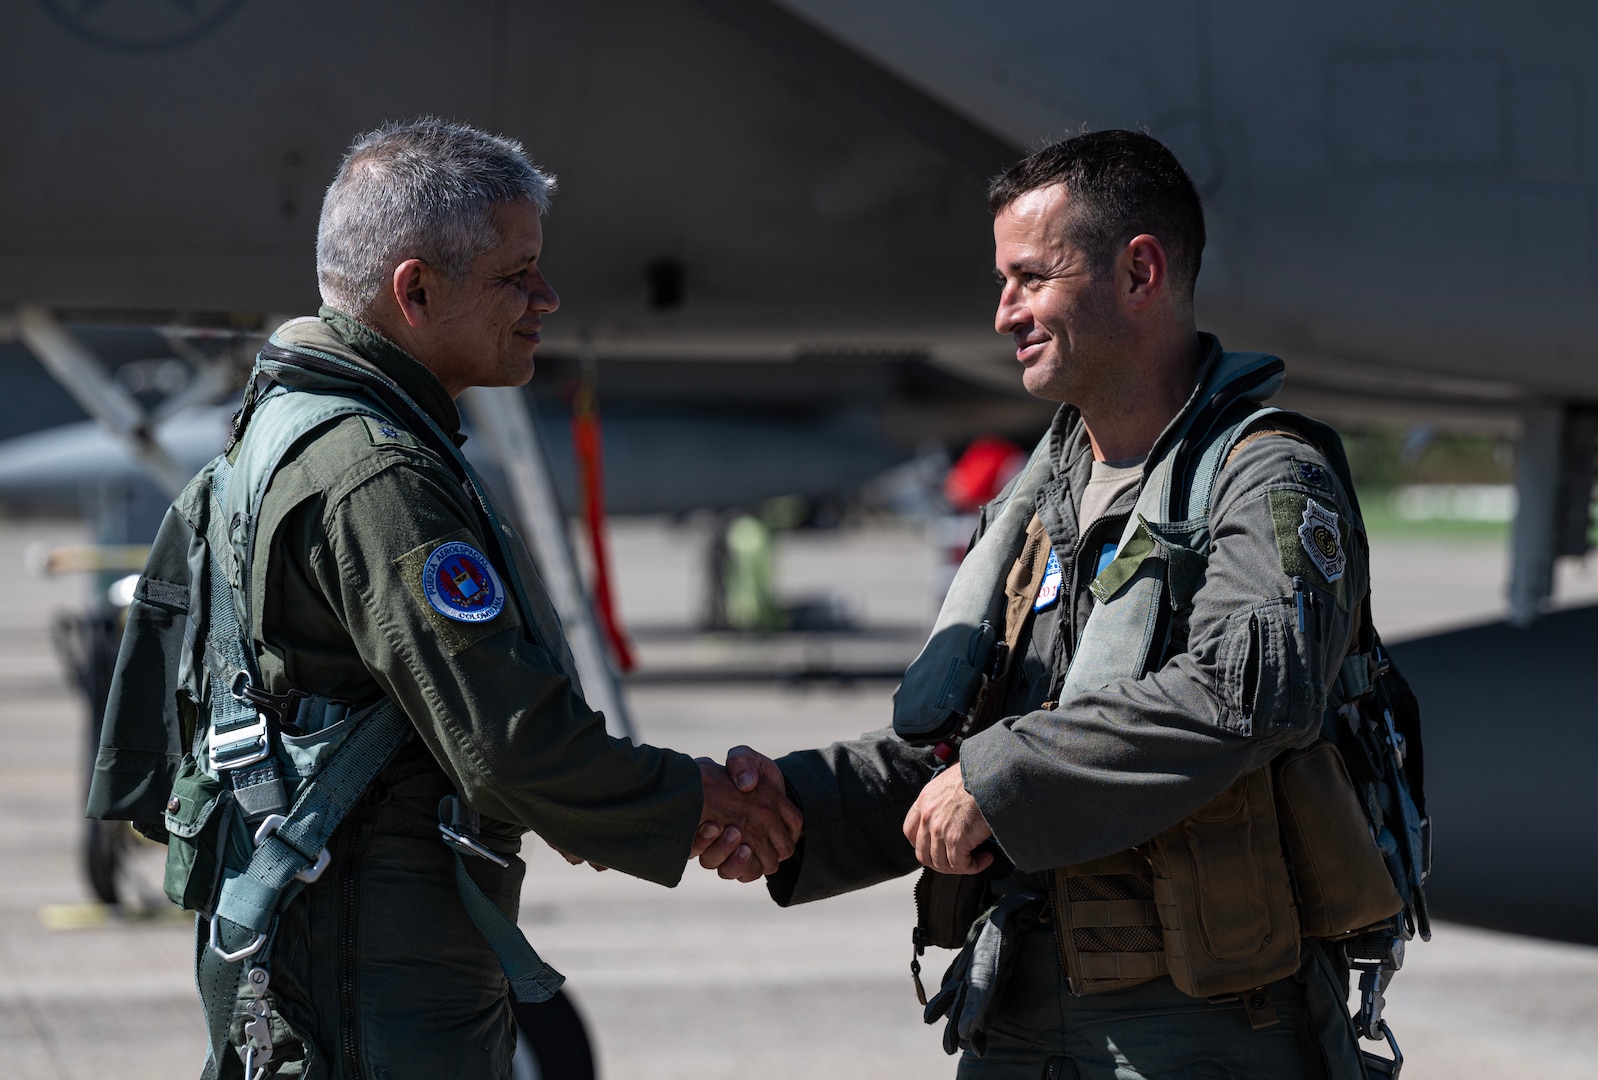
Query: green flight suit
(1121, 764)
(377, 971)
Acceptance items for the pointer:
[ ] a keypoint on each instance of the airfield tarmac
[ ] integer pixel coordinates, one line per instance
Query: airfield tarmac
(710, 979)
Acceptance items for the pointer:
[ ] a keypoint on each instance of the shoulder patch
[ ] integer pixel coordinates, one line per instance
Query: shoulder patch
(1312, 541)
(458, 589)
(461, 584)
(385, 433)
(1318, 534)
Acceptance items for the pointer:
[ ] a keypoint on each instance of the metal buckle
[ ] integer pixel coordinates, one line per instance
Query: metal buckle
(457, 823)
(469, 845)
(233, 957)
(244, 746)
(257, 1048)
(1376, 958)
(269, 825)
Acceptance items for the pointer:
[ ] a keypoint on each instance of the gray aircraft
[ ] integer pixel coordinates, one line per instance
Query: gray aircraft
(1402, 199)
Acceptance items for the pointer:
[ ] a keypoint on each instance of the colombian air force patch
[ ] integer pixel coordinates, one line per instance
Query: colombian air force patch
(1319, 536)
(461, 584)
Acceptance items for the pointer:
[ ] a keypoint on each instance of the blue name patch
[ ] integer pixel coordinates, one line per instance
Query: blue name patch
(1049, 591)
(1106, 556)
(461, 584)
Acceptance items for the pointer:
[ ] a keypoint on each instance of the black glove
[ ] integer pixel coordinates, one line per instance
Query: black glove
(975, 980)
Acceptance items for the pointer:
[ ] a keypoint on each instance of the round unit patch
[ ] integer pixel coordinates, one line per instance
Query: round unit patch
(461, 584)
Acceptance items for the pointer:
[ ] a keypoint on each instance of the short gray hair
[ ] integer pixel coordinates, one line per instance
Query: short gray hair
(422, 189)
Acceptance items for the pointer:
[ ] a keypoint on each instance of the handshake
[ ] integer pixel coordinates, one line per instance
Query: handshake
(749, 825)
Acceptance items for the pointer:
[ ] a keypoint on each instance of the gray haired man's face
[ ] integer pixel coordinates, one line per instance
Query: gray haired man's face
(484, 329)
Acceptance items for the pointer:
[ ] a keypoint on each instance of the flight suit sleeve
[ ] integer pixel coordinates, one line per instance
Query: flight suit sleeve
(494, 707)
(1119, 764)
(854, 796)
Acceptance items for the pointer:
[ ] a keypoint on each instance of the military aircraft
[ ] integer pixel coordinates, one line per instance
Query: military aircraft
(1402, 200)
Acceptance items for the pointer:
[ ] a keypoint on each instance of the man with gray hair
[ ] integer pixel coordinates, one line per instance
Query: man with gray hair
(375, 582)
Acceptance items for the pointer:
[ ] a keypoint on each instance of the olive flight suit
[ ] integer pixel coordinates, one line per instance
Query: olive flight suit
(377, 970)
(1122, 763)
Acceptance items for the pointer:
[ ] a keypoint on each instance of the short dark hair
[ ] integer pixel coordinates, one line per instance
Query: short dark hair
(1120, 183)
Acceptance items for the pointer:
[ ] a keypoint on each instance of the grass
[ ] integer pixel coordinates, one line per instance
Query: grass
(1382, 521)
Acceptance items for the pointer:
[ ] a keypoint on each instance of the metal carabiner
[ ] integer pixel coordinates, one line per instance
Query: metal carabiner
(1389, 1069)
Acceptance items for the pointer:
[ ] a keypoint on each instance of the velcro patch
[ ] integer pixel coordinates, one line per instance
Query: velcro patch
(1312, 474)
(386, 433)
(461, 593)
(1312, 541)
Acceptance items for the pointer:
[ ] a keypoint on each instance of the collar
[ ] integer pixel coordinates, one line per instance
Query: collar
(334, 331)
(1068, 436)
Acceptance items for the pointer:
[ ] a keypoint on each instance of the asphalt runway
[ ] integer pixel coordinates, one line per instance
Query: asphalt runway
(710, 979)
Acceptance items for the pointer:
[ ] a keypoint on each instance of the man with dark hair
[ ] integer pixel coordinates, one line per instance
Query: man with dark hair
(351, 652)
(1123, 183)
(1146, 625)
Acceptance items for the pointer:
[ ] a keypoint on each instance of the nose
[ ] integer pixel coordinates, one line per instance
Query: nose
(1010, 313)
(542, 297)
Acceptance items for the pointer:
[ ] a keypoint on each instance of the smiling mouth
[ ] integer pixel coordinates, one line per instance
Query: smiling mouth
(1025, 351)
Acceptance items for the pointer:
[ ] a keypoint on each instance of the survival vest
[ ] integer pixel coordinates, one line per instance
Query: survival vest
(246, 787)
(1330, 841)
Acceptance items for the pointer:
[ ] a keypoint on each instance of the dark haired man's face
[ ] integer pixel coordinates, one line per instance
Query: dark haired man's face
(1056, 302)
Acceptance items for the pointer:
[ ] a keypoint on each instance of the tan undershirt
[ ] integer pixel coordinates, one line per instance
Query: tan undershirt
(1110, 480)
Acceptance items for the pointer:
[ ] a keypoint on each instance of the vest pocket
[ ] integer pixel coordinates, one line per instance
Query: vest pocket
(1343, 881)
(1224, 897)
(197, 818)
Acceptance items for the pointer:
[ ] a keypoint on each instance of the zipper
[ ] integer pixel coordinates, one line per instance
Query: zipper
(1068, 590)
(1251, 667)
(349, 910)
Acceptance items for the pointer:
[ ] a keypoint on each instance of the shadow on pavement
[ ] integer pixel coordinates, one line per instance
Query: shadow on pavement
(1511, 728)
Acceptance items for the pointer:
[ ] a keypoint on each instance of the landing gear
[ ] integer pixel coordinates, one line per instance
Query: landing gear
(88, 647)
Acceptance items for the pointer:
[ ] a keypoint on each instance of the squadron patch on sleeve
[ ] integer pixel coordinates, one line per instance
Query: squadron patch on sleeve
(1312, 541)
(458, 611)
(1318, 534)
(461, 584)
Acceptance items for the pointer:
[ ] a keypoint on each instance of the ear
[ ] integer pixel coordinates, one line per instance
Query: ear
(409, 285)
(1143, 271)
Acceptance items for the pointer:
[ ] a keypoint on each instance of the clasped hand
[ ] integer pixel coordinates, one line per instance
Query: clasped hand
(946, 826)
(748, 825)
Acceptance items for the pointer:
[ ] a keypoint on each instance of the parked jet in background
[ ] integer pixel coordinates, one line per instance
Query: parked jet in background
(1402, 199)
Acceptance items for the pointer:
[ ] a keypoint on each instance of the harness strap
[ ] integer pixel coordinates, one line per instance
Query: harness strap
(252, 898)
(531, 979)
